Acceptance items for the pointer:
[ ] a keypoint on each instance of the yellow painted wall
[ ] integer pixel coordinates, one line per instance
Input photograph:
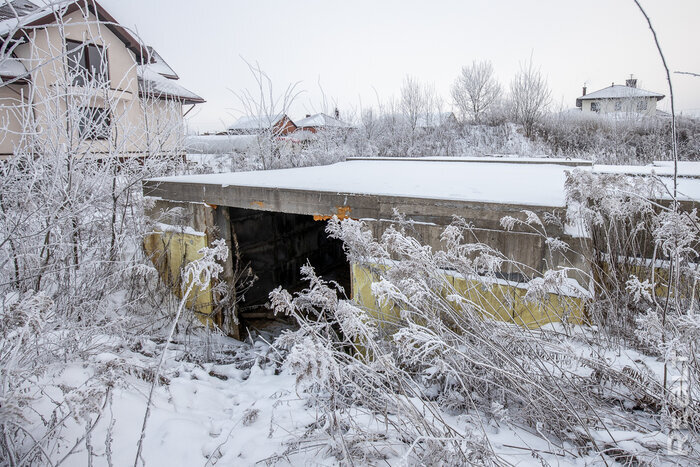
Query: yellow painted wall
(170, 252)
(497, 301)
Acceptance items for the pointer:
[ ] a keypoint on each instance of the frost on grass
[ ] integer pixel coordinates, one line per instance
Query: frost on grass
(438, 382)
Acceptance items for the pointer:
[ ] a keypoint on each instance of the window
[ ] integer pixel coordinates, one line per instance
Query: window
(94, 123)
(641, 105)
(595, 107)
(618, 105)
(87, 63)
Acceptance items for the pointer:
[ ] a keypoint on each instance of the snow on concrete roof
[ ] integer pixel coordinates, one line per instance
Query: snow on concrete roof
(513, 181)
(257, 122)
(505, 181)
(688, 176)
(686, 169)
(321, 120)
(154, 84)
(617, 91)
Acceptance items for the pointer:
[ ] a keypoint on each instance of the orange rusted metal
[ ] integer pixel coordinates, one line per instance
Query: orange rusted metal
(259, 204)
(343, 212)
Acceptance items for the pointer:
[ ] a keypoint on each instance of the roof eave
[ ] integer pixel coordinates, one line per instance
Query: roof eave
(95, 8)
(5, 80)
(165, 96)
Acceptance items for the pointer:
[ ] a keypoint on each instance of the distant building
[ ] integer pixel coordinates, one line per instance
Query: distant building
(278, 125)
(431, 121)
(617, 98)
(322, 121)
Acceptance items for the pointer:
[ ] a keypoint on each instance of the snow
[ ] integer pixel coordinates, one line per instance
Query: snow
(30, 12)
(11, 67)
(151, 82)
(685, 168)
(321, 120)
(241, 412)
(659, 168)
(256, 122)
(500, 158)
(184, 229)
(212, 414)
(159, 65)
(534, 184)
(219, 144)
(522, 181)
(688, 176)
(619, 91)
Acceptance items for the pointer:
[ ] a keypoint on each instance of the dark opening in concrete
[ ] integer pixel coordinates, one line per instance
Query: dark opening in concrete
(277, 245)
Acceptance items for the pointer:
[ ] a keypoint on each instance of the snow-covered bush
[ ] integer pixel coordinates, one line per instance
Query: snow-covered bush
(617, 138)
(75, 278)
(391, 376)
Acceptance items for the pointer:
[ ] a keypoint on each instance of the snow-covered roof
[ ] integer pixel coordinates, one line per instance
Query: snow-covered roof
(321, 120)
(539, 183)
(156, 85)
(159, 65)
(257, 122)
(18, 13)
(617, 91)
(11, 68)
(24, 13)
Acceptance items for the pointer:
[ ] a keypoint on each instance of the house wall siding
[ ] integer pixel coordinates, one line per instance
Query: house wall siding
(53, 93)
(626, 105)
(12, 116)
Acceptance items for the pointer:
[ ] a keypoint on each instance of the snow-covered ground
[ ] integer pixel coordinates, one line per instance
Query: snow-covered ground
(244, 409)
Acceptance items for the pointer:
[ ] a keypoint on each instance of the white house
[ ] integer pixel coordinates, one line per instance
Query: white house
(72, 73)
(617, 98)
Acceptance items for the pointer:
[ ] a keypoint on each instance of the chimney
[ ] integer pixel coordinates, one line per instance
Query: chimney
(632, 82)
(337, 113)
(308, 115)
(584, 90)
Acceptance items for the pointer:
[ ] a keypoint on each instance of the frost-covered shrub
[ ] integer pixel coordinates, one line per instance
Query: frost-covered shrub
(440, 352)
(618, 138)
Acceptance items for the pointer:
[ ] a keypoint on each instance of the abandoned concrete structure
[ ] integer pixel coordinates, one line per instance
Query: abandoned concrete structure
(275, 216)
(276, 219)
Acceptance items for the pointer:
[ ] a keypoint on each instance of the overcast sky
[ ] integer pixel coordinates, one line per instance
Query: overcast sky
(362, 49)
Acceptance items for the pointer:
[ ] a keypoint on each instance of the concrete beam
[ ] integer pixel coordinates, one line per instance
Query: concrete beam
(356, 206)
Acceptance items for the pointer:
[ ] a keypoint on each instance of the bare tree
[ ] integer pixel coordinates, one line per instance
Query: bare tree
(412, 101)
(267, 110)
(529, 96)
(71, 223)
(476, 90)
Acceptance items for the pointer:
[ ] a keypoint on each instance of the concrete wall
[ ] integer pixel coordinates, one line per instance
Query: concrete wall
(431, 215)
(258, 214)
